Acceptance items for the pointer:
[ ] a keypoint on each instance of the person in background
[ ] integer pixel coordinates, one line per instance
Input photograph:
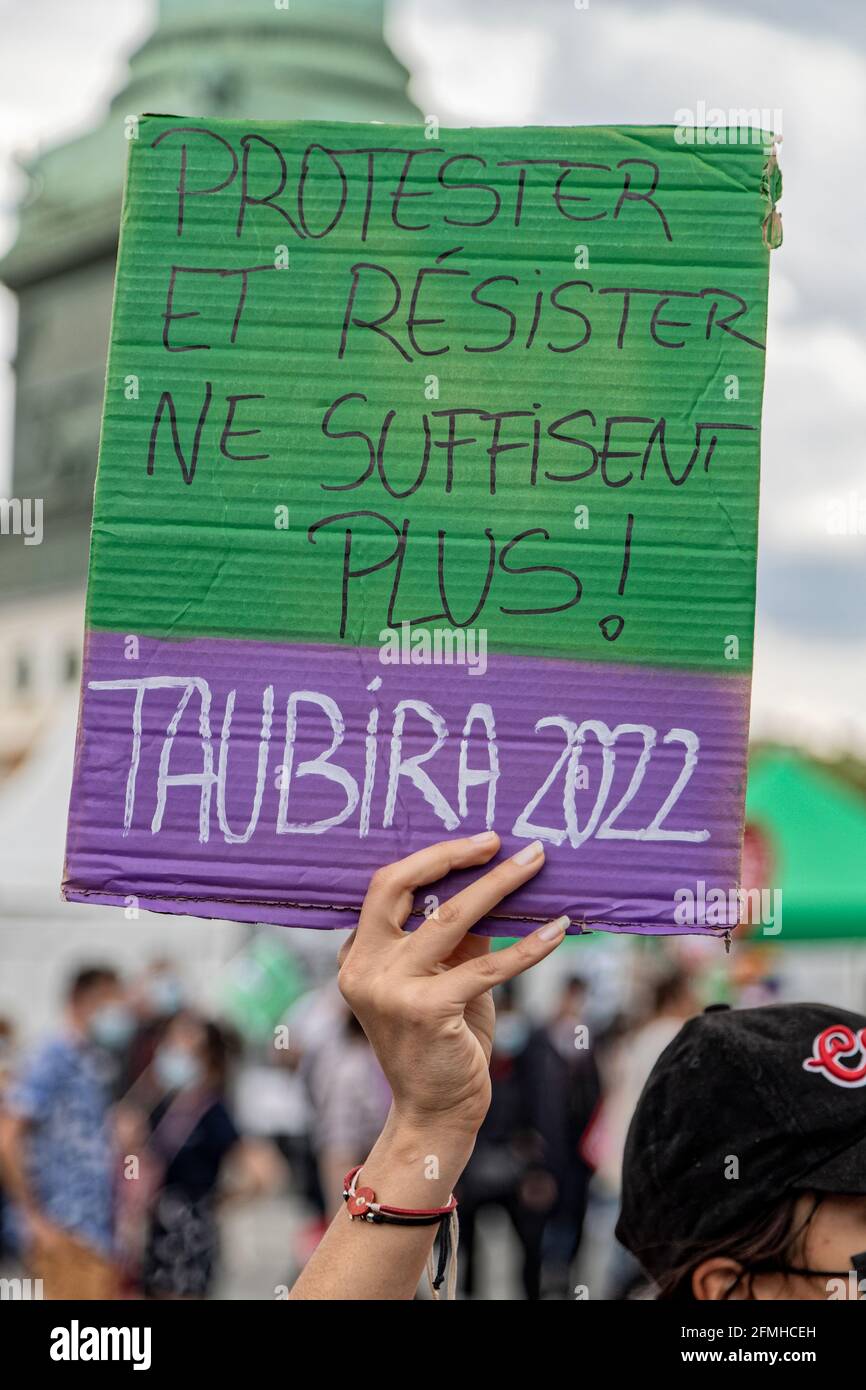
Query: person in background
(508, 1167)
(566, 1092)
(293, 1135)
(7, 1050)
(313, 1021)
(778, 1089)
(350, 1099)
(56, 1147)
(156, 997)
(744, 1174)
(191, 1135)
(673, 1002)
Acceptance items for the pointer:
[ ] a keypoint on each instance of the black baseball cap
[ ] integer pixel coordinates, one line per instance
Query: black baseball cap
(781, 1089)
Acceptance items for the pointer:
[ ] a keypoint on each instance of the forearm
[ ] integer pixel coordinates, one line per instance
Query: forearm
(359, 1259)
(12, 1164)
(333, 1166)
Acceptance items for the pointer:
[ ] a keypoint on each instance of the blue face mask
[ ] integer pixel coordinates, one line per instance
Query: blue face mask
(512, 1034)
(165, 994)
(112, 1026)
(176, 1069)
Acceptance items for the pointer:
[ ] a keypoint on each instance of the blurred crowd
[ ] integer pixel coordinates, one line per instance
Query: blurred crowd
(127, 1132)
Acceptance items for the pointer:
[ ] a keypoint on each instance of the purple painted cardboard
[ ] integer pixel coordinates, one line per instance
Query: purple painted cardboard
(172, 869)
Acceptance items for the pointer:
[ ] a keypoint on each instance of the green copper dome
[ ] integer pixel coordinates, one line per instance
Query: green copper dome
(254, 59)
(308, 59)
(312, 59)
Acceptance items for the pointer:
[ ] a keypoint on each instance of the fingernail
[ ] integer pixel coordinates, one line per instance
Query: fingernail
(484, 838)
(554, 929)
(528, 853)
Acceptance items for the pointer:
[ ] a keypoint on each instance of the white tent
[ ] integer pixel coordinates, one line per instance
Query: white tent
(43, 938)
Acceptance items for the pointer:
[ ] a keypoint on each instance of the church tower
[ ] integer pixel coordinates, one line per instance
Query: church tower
(275, 60)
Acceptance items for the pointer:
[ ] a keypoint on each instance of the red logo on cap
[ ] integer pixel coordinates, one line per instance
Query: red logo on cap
(833, 1044)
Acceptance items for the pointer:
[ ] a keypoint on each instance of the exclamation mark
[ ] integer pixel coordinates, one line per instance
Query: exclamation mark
(613, 624)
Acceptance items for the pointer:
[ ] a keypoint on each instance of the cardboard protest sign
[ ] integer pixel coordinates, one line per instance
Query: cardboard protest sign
(427, 503)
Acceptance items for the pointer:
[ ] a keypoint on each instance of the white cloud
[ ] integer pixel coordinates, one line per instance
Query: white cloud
(503, 61)
(620, 64)
(808, 692)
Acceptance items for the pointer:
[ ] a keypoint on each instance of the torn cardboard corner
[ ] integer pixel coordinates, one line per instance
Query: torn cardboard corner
(772, 185)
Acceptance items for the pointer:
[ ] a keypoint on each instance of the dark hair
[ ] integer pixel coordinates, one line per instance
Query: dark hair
(507, 995)
(668, 989)
(575, 983)
(760, 1246)
(219, 1046)
(88, 979)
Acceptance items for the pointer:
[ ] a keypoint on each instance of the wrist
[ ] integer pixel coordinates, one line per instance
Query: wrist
(453, 1129)
(446, 1144)
(416, 1165)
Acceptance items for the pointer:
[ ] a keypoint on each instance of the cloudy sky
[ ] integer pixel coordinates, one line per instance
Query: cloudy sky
(548, 61)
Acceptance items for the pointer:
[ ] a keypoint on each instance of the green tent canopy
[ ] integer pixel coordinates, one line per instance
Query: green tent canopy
(811, 831)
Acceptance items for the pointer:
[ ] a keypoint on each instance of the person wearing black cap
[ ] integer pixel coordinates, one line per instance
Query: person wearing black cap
(745, 1165)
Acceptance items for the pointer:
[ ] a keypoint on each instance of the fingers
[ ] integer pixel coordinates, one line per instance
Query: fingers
(437, 937)
(389, 897)
(473, 977)
(467, 947)
(346, 948)
(426, 865)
